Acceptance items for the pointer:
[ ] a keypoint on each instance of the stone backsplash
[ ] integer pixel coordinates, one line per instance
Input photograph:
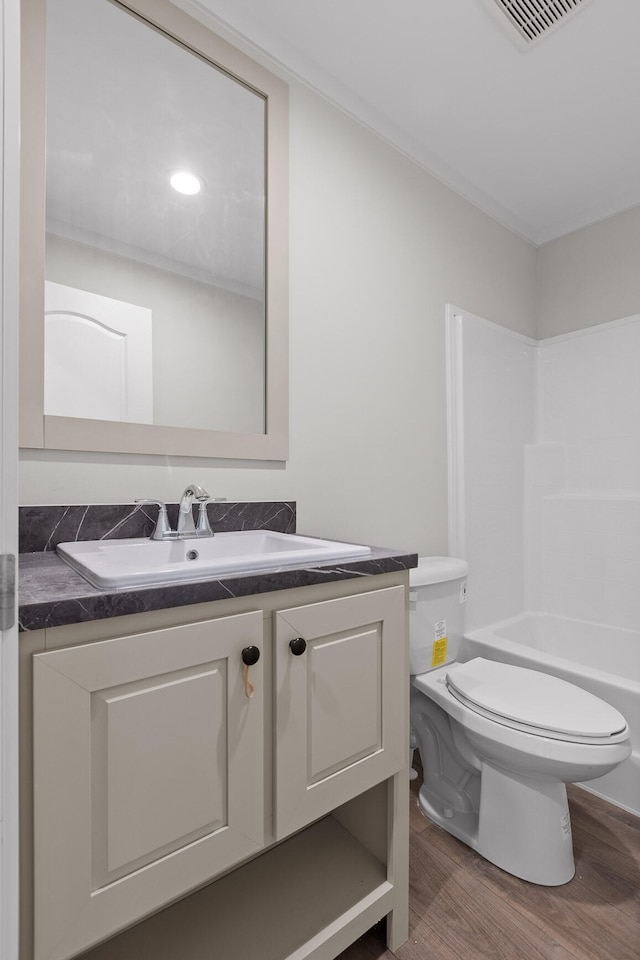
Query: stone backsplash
(42, 528)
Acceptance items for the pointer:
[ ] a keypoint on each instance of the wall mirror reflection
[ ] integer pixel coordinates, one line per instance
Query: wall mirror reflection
(155, 198)
(161, 325)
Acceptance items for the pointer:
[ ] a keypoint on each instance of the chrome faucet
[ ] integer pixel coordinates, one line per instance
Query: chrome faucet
(186, 529)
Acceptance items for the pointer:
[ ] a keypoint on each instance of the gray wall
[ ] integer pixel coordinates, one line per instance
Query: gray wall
(590, 276)
(207, 342)
(378, 247)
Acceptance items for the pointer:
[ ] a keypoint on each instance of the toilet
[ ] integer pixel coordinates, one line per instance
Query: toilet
(498, 742)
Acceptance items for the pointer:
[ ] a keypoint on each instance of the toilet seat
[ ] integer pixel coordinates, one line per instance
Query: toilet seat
(534, 702)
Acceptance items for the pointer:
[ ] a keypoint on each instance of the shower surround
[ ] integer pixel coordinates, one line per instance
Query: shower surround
(544, 482)
(545, 470)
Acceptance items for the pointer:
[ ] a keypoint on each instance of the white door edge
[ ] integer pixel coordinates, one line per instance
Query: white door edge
(9, 233)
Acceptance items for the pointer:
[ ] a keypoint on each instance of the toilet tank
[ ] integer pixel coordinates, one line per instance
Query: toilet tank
(437, 595)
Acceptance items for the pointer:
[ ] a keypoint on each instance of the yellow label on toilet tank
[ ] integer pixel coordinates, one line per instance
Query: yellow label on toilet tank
(439, 655)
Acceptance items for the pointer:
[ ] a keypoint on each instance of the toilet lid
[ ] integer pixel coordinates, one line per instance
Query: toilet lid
(534, 699)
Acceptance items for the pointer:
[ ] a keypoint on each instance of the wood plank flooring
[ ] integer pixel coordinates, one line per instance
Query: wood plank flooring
(464, 908)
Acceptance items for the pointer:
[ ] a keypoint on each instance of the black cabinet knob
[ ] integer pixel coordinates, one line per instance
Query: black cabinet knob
(250, 655)
(298, 646)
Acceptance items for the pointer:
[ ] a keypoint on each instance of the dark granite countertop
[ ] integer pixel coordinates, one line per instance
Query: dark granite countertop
(52, 594)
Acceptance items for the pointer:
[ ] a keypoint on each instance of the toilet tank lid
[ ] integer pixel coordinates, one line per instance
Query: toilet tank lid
(437, 570)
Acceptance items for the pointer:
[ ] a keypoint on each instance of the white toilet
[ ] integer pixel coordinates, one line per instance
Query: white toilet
(498, 743)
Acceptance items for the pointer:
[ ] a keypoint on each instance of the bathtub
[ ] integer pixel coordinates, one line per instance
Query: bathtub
(604, 660)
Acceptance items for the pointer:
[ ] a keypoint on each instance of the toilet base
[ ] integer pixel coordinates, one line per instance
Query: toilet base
(525, 826)
(462, 824)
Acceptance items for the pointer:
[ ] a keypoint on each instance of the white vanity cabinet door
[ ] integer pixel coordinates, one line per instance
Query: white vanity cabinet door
(341, 722)
(148, 769)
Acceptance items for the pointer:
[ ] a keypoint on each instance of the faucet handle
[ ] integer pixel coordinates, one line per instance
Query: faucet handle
(203, 528)
(162, 529)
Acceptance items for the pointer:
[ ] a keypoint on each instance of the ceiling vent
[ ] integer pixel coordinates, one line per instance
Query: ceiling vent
(534, 19)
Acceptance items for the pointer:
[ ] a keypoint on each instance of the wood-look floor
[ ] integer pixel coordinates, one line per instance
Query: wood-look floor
(463, 908)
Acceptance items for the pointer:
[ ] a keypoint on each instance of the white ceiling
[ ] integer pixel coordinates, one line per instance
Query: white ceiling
(546, 139)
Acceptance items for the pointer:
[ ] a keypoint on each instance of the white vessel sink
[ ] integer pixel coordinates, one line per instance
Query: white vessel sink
(120, 564)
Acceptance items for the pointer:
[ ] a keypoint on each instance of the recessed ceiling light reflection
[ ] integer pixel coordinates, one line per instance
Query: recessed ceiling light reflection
(185, 182)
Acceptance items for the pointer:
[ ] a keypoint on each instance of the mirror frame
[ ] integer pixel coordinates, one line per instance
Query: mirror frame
(41, 431)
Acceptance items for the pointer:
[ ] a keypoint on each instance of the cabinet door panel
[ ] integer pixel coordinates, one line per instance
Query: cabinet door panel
(164, 786)
(341, 705)
(148, 775)
(344, 728)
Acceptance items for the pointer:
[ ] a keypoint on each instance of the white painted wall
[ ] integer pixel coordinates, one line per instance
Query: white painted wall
(590, 276)
(378, 248)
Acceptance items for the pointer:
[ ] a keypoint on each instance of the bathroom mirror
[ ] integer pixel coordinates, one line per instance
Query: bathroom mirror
(154, 315)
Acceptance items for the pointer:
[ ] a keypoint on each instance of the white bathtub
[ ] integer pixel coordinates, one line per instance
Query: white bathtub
(604, 660)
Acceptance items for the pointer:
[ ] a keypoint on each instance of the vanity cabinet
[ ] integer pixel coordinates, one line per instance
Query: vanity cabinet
(157, 775)
(148, 774)
(338, 730)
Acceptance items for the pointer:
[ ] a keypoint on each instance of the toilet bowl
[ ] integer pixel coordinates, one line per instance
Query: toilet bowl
(497, 742)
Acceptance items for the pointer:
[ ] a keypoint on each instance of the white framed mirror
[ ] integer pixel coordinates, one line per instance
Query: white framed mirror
(131, 94)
